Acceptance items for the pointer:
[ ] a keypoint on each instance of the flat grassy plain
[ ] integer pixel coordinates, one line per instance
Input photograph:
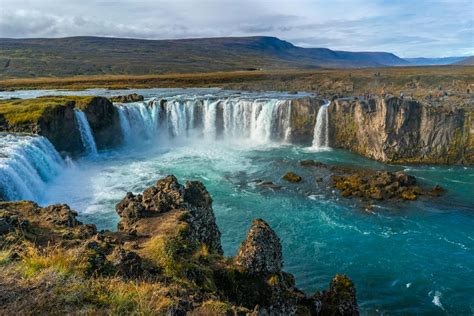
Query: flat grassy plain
(456, 81)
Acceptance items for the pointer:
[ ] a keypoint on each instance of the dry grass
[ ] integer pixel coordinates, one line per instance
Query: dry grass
(413, 80)
(19, 111)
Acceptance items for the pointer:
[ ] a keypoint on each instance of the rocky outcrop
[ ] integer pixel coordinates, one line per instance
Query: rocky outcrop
(261, 252)
(340, 299)
(133, 97)
(56, 122)
(399, 130)
(303, 118)
(379, 185)
(54, 118)
(167, 195)
(104, 121)
(166, 255)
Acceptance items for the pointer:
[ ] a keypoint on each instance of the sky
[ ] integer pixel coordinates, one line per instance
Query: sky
(408, 28)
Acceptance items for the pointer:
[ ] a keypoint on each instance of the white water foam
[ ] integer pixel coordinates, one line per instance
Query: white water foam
(27, 163)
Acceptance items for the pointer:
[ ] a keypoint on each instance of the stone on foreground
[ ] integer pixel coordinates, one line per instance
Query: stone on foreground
(261, 252)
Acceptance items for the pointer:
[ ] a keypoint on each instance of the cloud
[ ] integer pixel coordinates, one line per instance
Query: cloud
(407, 28)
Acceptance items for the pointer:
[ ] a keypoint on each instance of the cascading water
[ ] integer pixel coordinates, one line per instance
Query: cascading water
(138, 121)
(261, 120)
(86, 133)
(321, 129)
(26, 163)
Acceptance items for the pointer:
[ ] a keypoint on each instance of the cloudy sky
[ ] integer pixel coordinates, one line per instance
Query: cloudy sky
(408, 28)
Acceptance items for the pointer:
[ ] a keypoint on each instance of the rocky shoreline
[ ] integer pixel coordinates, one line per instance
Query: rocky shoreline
(165, 258)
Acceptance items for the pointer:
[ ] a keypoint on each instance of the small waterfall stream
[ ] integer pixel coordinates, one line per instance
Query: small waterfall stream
(321, 129)
(86, 133)
(26, 163)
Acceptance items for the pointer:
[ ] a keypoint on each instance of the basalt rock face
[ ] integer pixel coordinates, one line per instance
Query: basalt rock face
(57, 122)
(303, 118)
(104, 121)
(167, 195)
(398, 130)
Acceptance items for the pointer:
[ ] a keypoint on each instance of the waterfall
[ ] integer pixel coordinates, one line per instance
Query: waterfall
(138, 121)
(27, 163)
(260, 120)
(86, 132)
(321, 129)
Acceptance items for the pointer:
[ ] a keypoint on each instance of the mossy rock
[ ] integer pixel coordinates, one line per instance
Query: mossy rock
(292, 177)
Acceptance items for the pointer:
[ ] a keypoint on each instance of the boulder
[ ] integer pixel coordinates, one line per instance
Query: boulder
(261, 252)
(292, 177)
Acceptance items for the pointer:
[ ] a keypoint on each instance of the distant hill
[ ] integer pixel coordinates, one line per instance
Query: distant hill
(469, 61)
(422, 61)
(99, 55)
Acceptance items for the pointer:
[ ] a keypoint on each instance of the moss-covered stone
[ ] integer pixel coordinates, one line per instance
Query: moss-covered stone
(292, 177)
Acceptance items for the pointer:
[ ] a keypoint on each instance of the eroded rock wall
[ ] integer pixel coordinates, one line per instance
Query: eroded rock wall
(104, 121)
(303, 118)
(399, 130)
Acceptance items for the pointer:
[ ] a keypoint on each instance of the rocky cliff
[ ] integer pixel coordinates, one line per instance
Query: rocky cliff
(303, 118)
(166, 258)
(398, 130)
(104, 121)
(53, 117)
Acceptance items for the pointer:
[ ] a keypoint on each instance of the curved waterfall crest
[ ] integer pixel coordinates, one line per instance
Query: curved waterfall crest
(85, 131)
(260, 120)
(321, 128)
(27, 163)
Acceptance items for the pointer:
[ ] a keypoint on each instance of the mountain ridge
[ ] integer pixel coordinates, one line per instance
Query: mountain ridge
(90, 55)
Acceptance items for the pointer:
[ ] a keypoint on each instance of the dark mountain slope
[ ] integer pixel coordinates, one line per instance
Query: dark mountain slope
(98, 55)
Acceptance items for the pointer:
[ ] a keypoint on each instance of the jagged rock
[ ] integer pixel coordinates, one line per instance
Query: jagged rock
(133, 97)
(168, 195)
(292, 177)
(60, 214)
(340, 299)
(261, 251)
(127, 263)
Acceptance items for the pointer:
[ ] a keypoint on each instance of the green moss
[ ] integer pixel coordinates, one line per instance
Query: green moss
(26, 111)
